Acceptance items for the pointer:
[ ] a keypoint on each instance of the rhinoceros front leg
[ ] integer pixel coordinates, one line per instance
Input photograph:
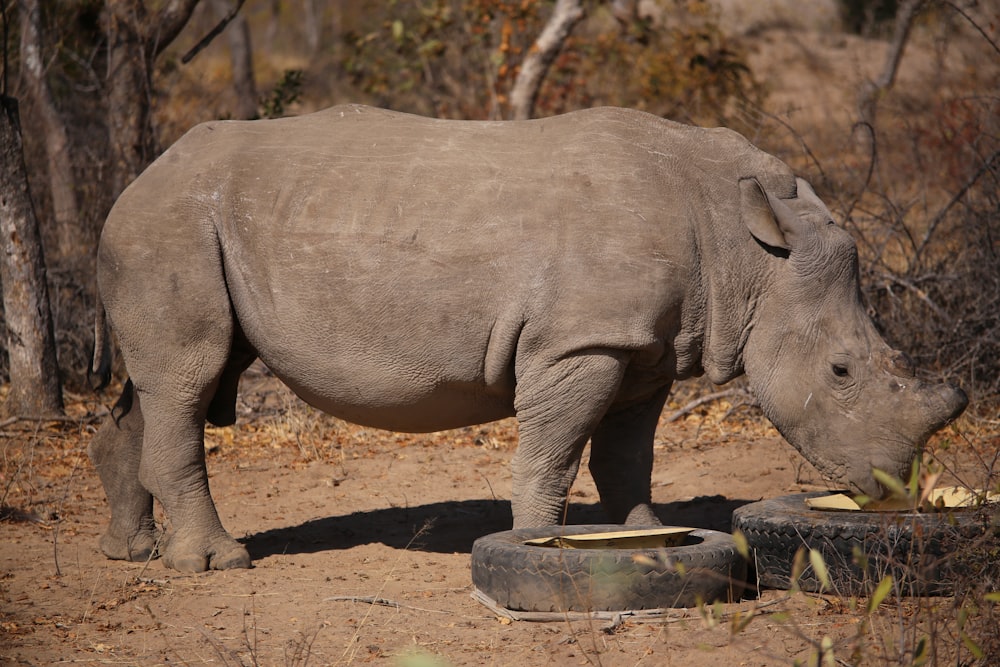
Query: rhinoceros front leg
(621, 460)
(115, 452)
(558, 407)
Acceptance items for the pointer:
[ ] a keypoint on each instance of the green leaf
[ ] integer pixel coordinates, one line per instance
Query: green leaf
(992, 597)
(922, 653)
(862, 500)
(881, 591)
(894, 484)
(819, 567)
(798, 565)
(963, 616)
(826, 650)
(859, 557)
(397, 30)
(741, 621)
(742, 546)
(973, 647)
(913, 485)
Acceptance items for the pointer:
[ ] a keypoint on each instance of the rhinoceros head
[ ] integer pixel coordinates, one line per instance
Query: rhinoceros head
(822, 373)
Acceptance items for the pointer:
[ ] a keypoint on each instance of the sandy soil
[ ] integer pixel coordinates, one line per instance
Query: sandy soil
(334, 516)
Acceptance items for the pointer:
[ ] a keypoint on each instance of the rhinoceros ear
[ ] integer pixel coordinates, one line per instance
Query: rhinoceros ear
(768, 218)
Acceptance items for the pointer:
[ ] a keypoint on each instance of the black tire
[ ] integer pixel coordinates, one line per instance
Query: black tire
(525, 577)
(859, 548)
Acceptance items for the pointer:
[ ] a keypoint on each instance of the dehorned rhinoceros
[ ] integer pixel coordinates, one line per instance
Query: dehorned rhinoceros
(416, 275)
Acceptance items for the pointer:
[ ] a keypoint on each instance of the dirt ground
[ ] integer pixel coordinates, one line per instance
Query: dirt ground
(336, 516)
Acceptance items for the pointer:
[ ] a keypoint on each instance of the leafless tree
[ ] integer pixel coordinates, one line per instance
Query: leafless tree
(312, 24)
(71, 234)
(34, 374)
(137, 34)
(872, 90)
(565, 16)
(241, 58)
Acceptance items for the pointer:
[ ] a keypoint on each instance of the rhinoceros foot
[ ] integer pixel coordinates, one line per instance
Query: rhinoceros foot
(186, 554)
(140, 547)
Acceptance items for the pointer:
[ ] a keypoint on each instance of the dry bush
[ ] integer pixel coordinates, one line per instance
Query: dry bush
(920, 192)
(932, 259)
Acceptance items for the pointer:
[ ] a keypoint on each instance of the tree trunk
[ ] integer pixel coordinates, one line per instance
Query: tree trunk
(241, 58)
(130, 135)
(34, 374)
(71, 235)
(311, 26)
(565, 16)
(135, 38)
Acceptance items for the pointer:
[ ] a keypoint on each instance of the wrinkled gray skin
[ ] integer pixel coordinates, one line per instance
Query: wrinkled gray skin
(417, 275)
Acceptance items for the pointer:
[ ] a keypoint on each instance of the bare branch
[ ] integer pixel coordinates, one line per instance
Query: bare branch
(565, 15)
(986, 166)
(973, 23)
(170, 21)
(707, 398)
(213, 33)
(872, 90)
(921, 294)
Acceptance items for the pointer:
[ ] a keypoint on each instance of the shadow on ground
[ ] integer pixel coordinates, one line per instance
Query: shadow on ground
(452, 527)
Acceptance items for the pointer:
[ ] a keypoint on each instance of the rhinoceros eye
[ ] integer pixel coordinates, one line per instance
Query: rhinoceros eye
(841, 371)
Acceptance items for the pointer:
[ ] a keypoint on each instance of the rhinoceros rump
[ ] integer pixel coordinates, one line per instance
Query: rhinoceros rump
(417, 274)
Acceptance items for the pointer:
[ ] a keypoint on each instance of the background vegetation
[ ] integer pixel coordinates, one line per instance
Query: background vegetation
(917, 183)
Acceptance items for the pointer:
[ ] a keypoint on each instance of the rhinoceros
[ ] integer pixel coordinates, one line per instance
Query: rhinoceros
(417, 274)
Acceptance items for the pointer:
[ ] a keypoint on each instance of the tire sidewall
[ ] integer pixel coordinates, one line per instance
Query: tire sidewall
(526, 577)
(858, 548)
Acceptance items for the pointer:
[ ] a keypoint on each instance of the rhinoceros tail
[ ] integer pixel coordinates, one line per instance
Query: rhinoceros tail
(99, 372)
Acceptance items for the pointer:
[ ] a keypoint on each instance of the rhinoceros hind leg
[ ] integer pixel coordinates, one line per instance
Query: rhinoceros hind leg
(173, 469)
(621, 461)
(115, 451)
(177, 331)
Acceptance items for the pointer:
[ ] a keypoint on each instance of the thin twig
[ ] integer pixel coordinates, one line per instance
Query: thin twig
(974, 25)
(352, 646)
(375, 600)
(698, 402)
(54, 418)
(58, 522)
(986, 166)
(921, 294)
(802, 142)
